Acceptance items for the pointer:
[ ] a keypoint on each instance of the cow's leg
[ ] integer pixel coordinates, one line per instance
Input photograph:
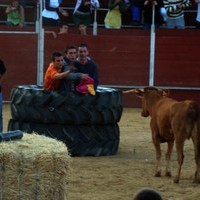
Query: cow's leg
(158, 158)
(197, 172)
(180, 156)
(196, 142)
(168, 158)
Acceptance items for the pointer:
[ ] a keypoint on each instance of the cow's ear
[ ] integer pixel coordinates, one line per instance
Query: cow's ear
(139, 93)
(165, 92)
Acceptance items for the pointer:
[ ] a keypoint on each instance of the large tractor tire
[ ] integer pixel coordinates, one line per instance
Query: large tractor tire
(82, 140)
(33, 104)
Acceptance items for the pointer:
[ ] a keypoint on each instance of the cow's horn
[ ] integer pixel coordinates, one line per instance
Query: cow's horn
(129, 91)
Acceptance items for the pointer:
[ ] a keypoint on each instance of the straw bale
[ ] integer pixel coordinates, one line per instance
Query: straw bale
(35, 167)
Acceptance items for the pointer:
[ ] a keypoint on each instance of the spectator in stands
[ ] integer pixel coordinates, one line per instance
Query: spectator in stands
(198, 14)
(175, 13)
(54, 74)
(163, 12)
(2, 72)
(14, 17)
(68, 83)
(50, 16)
(82, 14)
(136, 12)
(113, 17)
(84, 64)
(63, 29)
(22, 4)
(147, 13)
(147, 194)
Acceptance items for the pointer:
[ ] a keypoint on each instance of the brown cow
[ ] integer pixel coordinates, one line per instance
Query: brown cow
(171, 121)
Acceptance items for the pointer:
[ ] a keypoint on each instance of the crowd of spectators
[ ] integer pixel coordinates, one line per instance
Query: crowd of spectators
(168, 13)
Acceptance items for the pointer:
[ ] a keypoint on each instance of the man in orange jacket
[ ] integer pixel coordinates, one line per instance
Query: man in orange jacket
(54, 72)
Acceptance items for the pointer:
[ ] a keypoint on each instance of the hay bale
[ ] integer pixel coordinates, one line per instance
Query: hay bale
(35, 167)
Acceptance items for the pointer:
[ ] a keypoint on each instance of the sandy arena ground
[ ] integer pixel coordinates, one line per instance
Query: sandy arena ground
(118, 177)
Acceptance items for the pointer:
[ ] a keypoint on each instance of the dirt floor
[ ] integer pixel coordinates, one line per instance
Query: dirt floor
(120, 176)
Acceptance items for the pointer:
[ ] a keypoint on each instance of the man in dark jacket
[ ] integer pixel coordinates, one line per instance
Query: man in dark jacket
(84, 64)
(2, 72)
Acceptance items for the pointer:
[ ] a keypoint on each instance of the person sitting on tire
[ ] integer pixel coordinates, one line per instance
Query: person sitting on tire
(67, 83)
(54, 74)
(84, 64)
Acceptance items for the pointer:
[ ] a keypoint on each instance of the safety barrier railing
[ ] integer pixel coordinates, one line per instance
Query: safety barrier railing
(40, 31)
(99, 10)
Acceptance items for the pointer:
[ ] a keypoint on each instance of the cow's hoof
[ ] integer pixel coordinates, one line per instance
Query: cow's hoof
(168, 174)
(176, 180)
(158, 174)
(196, 181)
(196, 178)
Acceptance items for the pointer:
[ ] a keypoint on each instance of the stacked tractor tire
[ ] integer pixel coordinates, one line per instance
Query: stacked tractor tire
(87, 124)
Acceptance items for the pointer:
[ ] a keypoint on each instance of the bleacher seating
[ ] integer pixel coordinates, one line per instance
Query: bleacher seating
(31, 13)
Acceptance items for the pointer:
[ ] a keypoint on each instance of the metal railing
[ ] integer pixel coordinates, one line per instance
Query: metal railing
(40, 31)
(98, 11)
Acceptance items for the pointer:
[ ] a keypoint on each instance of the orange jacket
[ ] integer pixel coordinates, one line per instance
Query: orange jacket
(50, 83)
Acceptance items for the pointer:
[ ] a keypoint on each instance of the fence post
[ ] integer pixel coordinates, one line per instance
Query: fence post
(95, 22)
(40, 52)
(152, 48)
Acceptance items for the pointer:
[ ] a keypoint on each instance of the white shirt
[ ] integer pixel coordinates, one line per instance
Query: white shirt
(198, 11)
(51, 14)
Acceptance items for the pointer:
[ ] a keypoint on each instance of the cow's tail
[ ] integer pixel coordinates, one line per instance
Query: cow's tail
(192, 116)
(193, 111)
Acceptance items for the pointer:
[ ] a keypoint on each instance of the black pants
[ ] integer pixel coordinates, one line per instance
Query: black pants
(49, 22)
(197, 24)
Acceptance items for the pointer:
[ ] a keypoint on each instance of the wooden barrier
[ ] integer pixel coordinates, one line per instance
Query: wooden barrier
(122, 56)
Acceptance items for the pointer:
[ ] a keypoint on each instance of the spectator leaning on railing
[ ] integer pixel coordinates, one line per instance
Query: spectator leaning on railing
(50, 16)
(14, 17)
(198, 14)
(113, 17)
(175, 13)
(148, 10)
(82, 14)
(136, 12)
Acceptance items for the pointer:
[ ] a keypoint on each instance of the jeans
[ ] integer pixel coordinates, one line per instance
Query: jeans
(178, 23)
(135, 14)
(1, 112)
